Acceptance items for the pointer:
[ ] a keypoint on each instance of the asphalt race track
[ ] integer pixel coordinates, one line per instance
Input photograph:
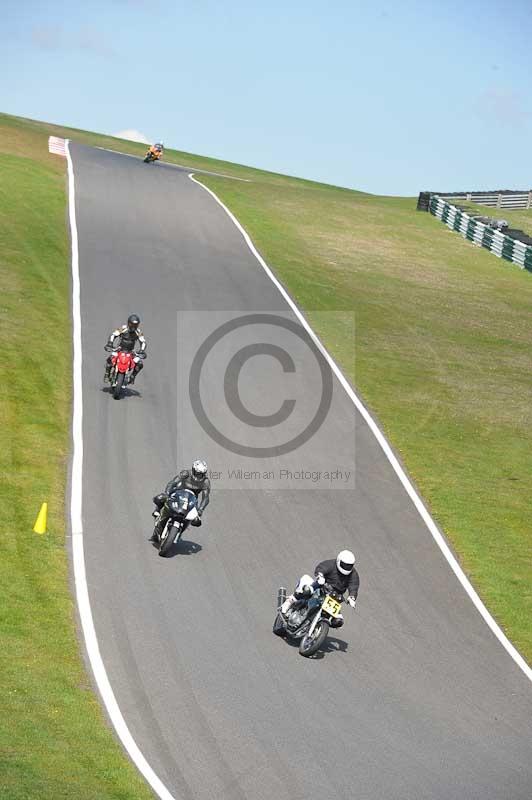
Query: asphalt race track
(413, 698)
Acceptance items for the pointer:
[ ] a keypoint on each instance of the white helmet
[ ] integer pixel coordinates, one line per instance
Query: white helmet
(199, 469)
(345, 562)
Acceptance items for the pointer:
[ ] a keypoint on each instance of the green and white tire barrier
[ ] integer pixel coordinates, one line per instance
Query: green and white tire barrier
(482, 235)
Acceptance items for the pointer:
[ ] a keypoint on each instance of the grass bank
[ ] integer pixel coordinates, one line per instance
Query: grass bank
(54, 743)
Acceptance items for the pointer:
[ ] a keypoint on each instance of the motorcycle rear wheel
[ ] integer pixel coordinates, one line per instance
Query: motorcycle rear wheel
(311, 644)
(117, 389)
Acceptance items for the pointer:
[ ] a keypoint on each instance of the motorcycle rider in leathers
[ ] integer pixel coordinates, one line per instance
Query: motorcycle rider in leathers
(195, 480)
(340, 574)
(156, 150)
(127, 335)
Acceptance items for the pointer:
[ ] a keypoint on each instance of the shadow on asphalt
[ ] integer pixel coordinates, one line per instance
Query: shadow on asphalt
(182, 548)
(331, 645)
(127, 392)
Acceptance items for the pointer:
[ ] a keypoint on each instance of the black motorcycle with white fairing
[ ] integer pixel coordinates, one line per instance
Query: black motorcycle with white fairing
(309, 619)
(181, 509)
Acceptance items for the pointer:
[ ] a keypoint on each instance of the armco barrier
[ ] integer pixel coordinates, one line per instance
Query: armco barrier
(482, 235)
(500, 198)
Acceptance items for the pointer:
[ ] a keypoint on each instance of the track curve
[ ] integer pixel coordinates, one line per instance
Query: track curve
(416, 699)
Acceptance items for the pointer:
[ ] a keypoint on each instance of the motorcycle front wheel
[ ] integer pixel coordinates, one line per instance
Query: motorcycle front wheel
(278, 625)
(118, 385)
(167, 542)
(311, 644)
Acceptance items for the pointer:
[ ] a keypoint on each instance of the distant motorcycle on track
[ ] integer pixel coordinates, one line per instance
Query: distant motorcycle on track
(309, 620)
(154, 153)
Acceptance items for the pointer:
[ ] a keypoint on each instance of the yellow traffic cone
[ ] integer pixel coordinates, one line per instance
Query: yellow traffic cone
(40, 522)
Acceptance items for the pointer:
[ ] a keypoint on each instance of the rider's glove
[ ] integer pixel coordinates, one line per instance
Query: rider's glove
(108, 347)
(320, 580)
(352, 601)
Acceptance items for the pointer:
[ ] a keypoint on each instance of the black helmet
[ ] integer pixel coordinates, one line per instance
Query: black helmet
(133, 322)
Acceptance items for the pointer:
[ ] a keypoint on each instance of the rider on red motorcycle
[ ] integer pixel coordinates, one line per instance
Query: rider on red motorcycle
(128, 335)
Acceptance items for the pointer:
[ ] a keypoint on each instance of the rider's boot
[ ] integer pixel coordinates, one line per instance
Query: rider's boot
(135, 372)
(288, 603)
(338, 621)
(159, 526)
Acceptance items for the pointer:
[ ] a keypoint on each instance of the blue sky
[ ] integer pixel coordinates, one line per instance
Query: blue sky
(388, 97)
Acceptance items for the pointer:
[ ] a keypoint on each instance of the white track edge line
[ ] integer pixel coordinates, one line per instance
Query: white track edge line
(418, 503)
(80, 577)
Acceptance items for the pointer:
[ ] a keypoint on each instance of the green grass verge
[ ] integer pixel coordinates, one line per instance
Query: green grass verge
(443, 357)
(54, 742)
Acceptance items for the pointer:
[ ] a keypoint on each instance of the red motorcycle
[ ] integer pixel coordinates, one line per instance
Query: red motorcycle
(122, 365)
